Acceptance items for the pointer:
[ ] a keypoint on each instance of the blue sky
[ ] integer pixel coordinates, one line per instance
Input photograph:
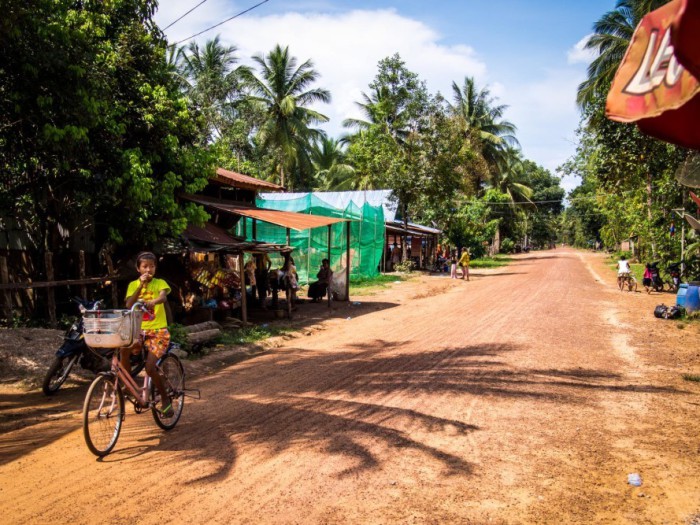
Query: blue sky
(527, 53)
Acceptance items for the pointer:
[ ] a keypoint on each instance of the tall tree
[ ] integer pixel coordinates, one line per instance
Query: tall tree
(212, 81)
(285, 92)
(331, 171)
(482, 119)
(92, 125)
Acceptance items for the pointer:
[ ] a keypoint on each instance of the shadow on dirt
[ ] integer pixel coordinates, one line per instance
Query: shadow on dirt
(321, 403)
(29, 421)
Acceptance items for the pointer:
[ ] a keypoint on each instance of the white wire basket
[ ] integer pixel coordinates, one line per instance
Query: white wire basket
(112, 328)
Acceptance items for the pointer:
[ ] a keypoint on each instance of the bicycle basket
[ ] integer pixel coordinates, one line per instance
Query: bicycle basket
(111, 328)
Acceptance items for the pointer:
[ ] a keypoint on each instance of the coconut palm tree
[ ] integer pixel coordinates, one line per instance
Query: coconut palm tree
(284, 92)
(511, 178)
(211, 80)
(481, 117)
(331, 173)
(612, 34)
(379, 109)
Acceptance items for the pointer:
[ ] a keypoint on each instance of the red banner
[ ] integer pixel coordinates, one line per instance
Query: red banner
(654, 85)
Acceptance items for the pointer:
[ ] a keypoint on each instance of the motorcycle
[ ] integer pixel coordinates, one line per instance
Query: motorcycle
(657, 283)
(674, 271)
(75, 349)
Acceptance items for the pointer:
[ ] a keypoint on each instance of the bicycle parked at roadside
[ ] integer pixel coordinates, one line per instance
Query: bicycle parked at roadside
(113, 332)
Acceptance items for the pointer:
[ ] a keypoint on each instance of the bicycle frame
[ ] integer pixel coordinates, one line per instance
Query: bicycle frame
(141, 394)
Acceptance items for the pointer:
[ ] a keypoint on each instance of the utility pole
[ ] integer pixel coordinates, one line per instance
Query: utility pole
(681, 213)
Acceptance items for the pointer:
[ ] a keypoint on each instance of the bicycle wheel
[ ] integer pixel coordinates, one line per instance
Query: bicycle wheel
(58, 373)
(174, 377)
(632, 284)
(103, 414)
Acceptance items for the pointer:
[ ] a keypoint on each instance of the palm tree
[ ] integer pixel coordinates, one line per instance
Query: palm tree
(512, 179)
(283, 91)
(380, 110)
(482, 118)
(331, 171)
(211, 80)
(612, 34)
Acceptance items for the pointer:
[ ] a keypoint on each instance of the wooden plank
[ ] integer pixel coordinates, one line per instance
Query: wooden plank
(51, 296)
(110, 271)
(244, 298)
(6, 295)
(81, 273)
(54, 284)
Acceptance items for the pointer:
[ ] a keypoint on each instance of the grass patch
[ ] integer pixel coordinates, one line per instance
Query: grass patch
(692, 377)
(361, 285)
(250, 334)
(491, 262)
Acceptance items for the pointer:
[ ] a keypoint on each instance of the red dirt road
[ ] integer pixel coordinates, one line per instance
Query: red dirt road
(524, 396)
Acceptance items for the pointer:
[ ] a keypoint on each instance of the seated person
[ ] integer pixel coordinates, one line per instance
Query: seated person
(318, 289)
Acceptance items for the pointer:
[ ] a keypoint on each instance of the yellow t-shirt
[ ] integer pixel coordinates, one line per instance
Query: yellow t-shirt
(464, 259)
(149, 293)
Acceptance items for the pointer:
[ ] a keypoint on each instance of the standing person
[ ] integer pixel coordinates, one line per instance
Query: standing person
(395, 256)
(262, 277)
(156, 338)
(464, 263)
(318, 289)
(647, 279)
(453, 265)
(250, 276)
(623, 269)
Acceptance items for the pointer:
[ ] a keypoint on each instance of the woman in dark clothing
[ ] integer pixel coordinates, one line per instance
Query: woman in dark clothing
(318, 289)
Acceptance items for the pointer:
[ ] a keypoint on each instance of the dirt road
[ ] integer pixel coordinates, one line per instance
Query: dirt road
(524, 396)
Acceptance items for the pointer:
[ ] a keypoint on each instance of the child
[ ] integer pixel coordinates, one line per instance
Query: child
(464, 263)
(646, 280)
(453, 265)
(156, 338)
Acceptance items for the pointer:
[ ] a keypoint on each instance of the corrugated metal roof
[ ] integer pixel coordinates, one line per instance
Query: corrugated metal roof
(217, 239)
(286, 219)
(210, 233)
(238, 180)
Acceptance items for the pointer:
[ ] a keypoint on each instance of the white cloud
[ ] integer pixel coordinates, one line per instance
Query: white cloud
(579, 54)
(346, 46)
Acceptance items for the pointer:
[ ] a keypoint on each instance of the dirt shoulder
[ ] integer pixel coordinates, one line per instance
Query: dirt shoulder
(526, 395)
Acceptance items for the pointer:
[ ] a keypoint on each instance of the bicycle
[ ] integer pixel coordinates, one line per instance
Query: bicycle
(103, 409)
(627, 280)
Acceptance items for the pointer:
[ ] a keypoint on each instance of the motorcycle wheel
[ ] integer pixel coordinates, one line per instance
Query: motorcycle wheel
(58, 373)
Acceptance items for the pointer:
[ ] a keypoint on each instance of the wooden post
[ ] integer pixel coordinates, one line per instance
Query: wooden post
(289, 236)
(244, 298)
(328, 288)
(288, 293)
(50, 294)
(347, 261)
(255, 229)
(6, 294)
(81, 273)
(110, 271)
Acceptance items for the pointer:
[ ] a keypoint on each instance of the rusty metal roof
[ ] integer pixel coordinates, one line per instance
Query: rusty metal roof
(286, 219)
(238, 180)
(217, 238)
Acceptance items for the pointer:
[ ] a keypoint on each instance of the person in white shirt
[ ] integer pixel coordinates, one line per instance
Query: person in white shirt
(623, 268)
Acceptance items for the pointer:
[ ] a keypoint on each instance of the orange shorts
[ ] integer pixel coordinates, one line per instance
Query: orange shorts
(156, 341)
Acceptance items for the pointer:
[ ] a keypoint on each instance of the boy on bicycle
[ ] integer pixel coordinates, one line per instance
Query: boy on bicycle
(156, 338)
(623, 269)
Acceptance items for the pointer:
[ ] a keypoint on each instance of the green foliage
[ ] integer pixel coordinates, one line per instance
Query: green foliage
(93, 127)
(178, 334)
(507, 246)
(496, 261)
(406, 266)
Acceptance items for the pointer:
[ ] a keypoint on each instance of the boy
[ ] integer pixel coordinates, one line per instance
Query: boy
(623, 269)
(153, 292)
